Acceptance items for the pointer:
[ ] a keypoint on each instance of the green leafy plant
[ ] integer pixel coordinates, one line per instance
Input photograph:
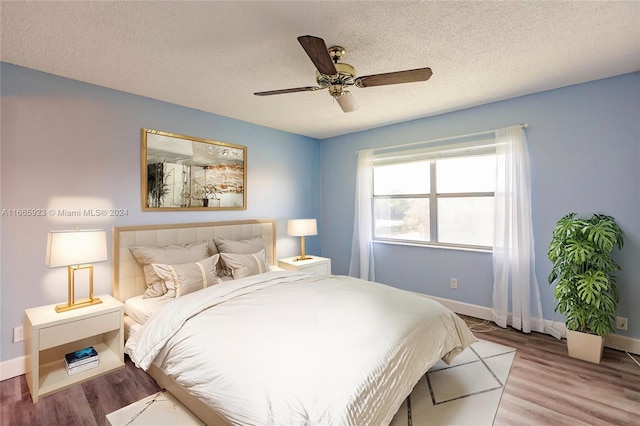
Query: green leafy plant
(584, 272)
(157, 185)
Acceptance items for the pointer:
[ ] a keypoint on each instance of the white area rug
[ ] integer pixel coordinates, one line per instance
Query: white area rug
(467, 392)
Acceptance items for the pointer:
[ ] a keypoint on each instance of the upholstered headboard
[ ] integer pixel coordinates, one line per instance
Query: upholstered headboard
(128, 277)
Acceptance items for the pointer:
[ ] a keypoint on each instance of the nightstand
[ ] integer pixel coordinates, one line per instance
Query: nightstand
(317, 264)
(49, 335)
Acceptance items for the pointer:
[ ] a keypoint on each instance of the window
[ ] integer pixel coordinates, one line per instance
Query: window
(440, 197)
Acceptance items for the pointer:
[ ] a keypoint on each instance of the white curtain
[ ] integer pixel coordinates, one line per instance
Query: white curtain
(513, 252)
(361, 265)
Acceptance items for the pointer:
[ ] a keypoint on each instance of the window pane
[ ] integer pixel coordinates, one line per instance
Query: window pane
(402, 218)
(466, 174)
(466, 220)
(405, 178)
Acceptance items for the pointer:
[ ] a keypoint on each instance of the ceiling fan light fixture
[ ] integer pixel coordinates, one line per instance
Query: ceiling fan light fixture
(336, 90)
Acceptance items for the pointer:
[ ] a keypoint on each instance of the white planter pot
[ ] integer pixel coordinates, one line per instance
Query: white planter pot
(585, 346)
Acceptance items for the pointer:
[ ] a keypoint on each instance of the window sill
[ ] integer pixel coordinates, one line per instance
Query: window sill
(435, 246)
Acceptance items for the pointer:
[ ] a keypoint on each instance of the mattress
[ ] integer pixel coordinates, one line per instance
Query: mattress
(140, 309)
(130, 327)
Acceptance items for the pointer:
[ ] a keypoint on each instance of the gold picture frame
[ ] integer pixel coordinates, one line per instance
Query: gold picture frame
(188, 173)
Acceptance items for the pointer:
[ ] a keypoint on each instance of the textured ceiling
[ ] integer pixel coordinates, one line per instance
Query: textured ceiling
(212, 56)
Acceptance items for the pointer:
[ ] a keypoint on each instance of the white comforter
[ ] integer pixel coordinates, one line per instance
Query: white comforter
(287, 348)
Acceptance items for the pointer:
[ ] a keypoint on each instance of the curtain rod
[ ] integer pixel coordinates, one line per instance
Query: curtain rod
(468, 135)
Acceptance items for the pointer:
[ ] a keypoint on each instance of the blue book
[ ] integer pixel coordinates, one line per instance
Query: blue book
(81, 356)
(80, 368)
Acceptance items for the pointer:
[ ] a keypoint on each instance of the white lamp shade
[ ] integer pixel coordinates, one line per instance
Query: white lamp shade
(302, 227)
(65, 248)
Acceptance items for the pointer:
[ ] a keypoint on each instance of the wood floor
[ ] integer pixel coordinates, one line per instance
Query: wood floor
(545, 387)
(83, 404)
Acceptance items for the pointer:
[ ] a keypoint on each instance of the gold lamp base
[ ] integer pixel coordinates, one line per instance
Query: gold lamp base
(83, 303)
(79, 304)
(302, 256)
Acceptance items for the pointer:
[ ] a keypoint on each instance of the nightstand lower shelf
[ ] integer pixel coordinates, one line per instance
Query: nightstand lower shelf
(54, 377)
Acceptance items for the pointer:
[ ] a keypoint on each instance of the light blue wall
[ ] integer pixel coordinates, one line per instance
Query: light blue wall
(70, 141)
(79, 144)
(584, 144)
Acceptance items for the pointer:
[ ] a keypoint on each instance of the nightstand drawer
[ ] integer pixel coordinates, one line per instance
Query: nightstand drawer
(320, 269)
(80, 329)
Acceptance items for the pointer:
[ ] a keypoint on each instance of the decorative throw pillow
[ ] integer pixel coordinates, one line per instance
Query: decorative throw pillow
(251, 245)
(189, 277)
(173, 254)
(244, 265)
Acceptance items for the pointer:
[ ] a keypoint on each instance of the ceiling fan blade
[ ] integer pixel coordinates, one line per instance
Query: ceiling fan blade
(318, 53)
(347, 102)
(293, 90)
(409, 76)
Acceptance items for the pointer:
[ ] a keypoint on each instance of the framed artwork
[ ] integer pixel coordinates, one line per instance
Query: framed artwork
(187, 173)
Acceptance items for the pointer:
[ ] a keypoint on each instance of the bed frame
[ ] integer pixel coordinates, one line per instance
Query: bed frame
(128, 277)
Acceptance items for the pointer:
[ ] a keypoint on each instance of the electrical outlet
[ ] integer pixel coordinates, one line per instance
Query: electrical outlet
(454, 283)
(18, 334)
(621, 323)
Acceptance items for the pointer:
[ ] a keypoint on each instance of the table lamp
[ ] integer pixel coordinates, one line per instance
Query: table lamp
(75, 249)
(302, 228)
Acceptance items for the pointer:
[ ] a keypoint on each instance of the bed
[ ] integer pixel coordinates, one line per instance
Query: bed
(278, 347)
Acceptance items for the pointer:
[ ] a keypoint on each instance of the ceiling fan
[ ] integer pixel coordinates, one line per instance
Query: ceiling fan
(336, 76)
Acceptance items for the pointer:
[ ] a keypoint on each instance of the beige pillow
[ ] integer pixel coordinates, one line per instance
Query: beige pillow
(244, 265)
(251, 245)
(189, 277)
(170, 255)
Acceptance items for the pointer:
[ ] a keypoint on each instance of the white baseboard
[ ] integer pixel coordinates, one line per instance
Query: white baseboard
(12, 368)
(614, 341)
(476, 311)
(623, 343)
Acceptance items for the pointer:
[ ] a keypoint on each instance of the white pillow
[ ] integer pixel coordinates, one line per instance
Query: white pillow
(248, 246)
(244, 265)
(189, 277)
(173, 254)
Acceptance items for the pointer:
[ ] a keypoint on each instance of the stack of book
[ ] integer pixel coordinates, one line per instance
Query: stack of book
(81, 360)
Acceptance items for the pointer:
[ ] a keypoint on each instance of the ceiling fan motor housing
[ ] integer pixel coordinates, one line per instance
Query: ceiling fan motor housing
(345, 76)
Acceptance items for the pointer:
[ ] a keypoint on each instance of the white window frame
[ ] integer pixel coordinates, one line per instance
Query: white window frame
(431, 154)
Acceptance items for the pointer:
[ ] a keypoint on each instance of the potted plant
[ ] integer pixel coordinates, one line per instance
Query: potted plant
(585, 283)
